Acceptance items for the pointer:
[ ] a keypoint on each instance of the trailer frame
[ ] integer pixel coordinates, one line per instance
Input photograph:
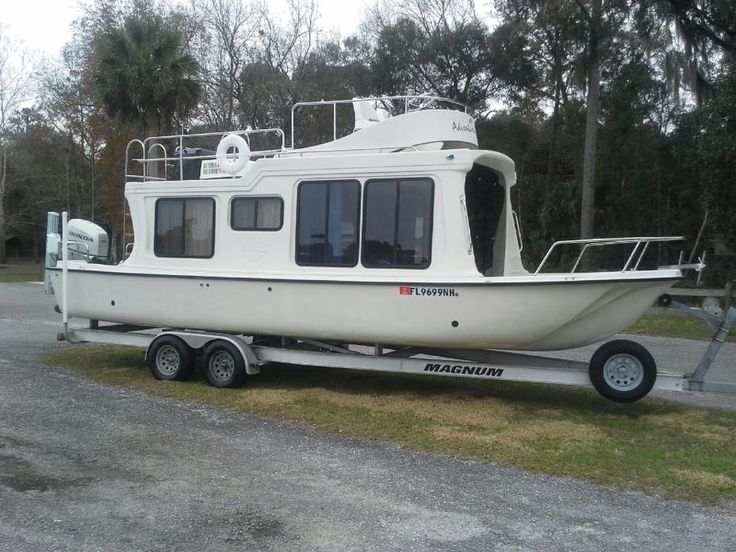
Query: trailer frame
(258, 351)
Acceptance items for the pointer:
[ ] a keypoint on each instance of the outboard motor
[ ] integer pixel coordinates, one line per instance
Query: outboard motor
(87, 241)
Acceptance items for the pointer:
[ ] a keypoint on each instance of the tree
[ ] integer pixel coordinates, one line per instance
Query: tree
(542, 42)
(226, 35)
(710, 153)
(592, 16)
(143, 74)
(69, 101)
(707, 29)
(46, 170)
(432, 46)
(15, 88)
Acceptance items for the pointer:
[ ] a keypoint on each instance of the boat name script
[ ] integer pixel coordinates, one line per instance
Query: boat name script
(428, 291)
(464, 370)
(463, 127)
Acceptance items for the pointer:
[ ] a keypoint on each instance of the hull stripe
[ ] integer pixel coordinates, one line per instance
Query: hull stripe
(406, 282)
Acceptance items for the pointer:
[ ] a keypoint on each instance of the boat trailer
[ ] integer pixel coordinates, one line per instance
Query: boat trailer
(615, 369)
(620, 370)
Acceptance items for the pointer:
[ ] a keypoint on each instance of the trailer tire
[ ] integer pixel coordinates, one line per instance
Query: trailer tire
(622, 371)
(224, 365)
(169, 358)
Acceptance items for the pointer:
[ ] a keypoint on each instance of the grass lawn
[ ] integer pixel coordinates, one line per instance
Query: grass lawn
(23, 271)
(670, 325)
(661, 447)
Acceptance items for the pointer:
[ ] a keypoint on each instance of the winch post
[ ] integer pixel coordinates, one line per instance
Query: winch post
(696, 380)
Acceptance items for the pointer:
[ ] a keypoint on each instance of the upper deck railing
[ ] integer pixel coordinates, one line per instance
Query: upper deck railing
(154, 152)
(157, 163)
(409, 103)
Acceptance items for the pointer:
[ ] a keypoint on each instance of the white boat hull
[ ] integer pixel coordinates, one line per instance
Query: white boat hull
(497, 313)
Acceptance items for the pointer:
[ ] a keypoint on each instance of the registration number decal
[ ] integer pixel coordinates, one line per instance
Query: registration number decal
(428, 291)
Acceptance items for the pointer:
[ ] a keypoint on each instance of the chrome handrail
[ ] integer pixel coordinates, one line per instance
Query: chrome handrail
(334, 104)
(75, 243)
(245, 133)
(602, 242)
(146, 158)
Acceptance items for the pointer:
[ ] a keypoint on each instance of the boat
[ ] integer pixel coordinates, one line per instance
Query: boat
(400, 233)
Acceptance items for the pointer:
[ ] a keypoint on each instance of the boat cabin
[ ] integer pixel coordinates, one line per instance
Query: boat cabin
(409, 193)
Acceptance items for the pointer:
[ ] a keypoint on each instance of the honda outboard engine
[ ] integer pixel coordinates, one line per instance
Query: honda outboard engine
(87, 240)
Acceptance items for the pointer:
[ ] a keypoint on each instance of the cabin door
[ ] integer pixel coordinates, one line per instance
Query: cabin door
(484, 196)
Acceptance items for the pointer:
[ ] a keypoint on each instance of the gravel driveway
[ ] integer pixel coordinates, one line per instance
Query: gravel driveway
(85, 466)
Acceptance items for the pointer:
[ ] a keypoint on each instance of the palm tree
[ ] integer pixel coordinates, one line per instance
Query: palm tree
(143, 74)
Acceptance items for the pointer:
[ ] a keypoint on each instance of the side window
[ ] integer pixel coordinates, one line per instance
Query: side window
(327, 223)
(397, 225)
(185, 227)
(256, 213)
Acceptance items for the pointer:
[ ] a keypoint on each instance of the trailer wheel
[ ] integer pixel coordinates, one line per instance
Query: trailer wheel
(622, 371)
(169, 358)
(224, 365)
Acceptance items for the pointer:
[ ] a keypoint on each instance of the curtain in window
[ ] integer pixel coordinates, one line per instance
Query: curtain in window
(269, 213)
(244, 214)
(198, 228)
(169, 238)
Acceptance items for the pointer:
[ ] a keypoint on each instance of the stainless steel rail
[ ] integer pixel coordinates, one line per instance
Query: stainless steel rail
(641, 244)
(427, 101)
(150, 144)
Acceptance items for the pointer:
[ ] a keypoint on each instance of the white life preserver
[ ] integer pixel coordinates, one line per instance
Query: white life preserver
(232, 162)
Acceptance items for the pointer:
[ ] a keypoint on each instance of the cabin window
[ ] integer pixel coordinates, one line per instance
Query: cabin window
(327, 223)
(256, 213)
(185, 227)
(397, 225)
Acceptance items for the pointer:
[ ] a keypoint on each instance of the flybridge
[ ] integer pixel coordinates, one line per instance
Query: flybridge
(384, 124)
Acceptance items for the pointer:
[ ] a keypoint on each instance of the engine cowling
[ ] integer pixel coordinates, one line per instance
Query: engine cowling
(87, 240)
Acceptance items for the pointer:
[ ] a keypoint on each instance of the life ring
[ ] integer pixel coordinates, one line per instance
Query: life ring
(232, 162)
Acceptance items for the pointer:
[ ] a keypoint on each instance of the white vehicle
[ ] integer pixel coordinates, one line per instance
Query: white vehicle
(400, 234)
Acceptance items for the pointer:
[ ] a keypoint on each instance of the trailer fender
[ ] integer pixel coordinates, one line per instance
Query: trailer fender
(196, 340)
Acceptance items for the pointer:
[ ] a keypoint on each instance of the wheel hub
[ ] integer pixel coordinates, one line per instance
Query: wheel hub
(222, 366)
(167, 360)
(623, 372)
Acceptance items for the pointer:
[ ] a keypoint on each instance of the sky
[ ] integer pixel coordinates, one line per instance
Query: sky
(44, 25)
